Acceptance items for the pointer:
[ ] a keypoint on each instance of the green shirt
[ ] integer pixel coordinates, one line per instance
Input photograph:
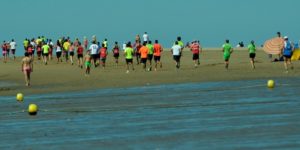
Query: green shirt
(227, 49)
(46, 49)
(251, 48)
(26, 43)
(180, 43)
(128, 53)
(151, 49)
(105, 43)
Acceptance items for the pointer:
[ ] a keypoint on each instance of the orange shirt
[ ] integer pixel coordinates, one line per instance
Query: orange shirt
(144, 52)
(157, 49)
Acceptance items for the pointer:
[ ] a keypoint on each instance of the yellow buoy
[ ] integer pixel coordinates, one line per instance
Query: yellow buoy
(271, 84)
(20, 97)
(32, 109)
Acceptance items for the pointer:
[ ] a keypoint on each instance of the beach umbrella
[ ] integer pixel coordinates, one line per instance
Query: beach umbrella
(274, 46)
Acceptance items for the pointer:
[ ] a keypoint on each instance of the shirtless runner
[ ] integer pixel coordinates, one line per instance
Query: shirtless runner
(27, 68)
(88, 64)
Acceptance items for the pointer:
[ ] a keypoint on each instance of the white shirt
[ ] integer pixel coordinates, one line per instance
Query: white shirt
(13, 45)
(124, 46)
(94, 49)
(58, 49)
(33, 44)
(176, 50)
(146, 37)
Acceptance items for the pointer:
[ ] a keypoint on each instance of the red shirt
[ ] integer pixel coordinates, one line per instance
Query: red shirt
(4, 47)
(116, 50)
(103, 52)
(195, 48)
(80, 50)
(157, 49)
(29, 49)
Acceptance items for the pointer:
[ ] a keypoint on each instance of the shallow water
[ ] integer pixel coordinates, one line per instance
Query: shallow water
(217, 115)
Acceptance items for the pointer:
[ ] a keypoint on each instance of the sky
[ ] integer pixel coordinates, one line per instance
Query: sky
(210, 21)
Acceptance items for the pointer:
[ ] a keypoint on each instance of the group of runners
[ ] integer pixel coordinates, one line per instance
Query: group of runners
(95, 53)
(7, 49)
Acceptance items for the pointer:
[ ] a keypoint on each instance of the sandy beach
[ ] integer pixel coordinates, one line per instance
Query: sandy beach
(58, 78)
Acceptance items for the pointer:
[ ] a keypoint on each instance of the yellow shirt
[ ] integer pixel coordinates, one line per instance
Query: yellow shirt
(67, 46)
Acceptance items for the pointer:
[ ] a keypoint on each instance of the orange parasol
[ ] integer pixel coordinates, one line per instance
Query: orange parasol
(274, 46)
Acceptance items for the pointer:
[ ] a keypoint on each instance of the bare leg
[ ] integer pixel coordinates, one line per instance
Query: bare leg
(285, 65)
(227, 64)
(252, 63)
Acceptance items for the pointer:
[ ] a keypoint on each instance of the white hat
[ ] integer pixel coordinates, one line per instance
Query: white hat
(286, 37)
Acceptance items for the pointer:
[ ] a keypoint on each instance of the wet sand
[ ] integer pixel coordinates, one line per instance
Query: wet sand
(64, 77)
(215, 115)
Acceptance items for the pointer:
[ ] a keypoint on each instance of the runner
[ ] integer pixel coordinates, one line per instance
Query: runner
(227, 51)
(71, 50)
(13, 46)
(8, 49)
(146, 37)
(87, 62)
(150, 54)
(287, 54)
(105, 44)
(176, 51)
(252, 54)
(138, 39)
(45, 49)
(27, 68)
(144, 55)
(116, 52)
(94, 53)
(25, 44)
(157, 54)
(80, 50)
(180, 43)
(137, 53)
(58, 51)
(4, 51)
(66, 48)
(30, 50)
(33, 44)
(103, 54)
(50, 43)
(128, 53)
(85, 42)
(195, 48)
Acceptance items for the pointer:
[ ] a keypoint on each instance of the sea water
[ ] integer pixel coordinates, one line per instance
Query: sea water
(215, 115)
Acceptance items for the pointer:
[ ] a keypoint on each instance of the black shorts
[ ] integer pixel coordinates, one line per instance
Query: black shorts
(103, 60)
(46, 54)
(13, 51)
(156, 58)
(116, 55)
(138, 55)
(144, 60)
(58, 54)
(195, 56)
(95, 56)
(252, 55)
(71, 53)
(150, 56)
(129, 61)
(287, 56)
(176, 58)
(79, 56)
